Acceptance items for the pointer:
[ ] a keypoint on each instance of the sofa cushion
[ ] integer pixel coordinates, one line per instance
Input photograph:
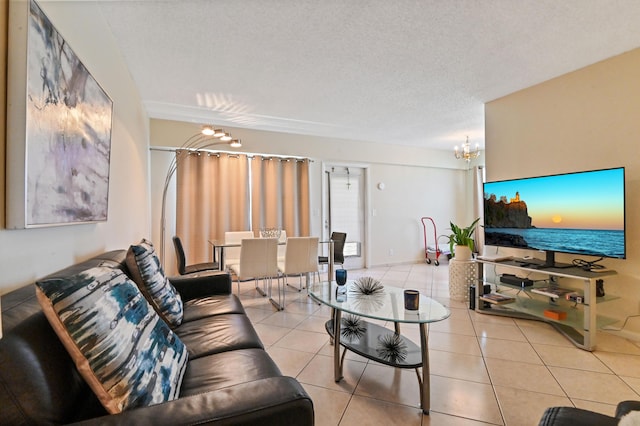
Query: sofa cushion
(225, 369)
(126, 353)
(147, 272)
(219, 333)
(213, 305)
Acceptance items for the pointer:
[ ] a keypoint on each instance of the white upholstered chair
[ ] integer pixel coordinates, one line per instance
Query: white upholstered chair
(300, 257)
(282, 239)
(281, 244)
(232, 254)
(258, 260)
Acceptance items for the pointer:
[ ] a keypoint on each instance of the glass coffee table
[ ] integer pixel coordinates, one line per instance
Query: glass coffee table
(373, 341)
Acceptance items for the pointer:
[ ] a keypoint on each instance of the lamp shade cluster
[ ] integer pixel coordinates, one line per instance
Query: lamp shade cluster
(211, 131)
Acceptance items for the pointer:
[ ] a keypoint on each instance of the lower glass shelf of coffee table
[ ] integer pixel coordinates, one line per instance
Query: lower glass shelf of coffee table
(379, 344)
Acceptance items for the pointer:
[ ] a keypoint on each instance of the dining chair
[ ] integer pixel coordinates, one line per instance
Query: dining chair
(300, 257)
(232, 254)
(339, 239)
(258, 260)
(282, 240)
(183, 268)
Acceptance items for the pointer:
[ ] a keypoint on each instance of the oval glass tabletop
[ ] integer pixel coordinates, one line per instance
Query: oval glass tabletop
(386, 305)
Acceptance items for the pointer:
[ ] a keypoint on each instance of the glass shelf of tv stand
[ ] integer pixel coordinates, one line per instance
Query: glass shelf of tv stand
(580, 327)
(571, 327)
(534, 305)
(536, 265)
(527, 289)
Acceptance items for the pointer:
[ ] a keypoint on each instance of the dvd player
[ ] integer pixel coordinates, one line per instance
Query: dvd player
(515, 280)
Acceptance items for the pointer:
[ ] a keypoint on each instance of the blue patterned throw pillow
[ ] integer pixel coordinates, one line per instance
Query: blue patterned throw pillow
(147, 272)
(127, 354)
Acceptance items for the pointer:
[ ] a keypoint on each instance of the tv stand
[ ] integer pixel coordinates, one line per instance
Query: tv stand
(581, 320)
(554, 265)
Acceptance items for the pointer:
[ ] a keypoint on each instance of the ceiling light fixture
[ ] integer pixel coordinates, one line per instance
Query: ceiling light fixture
(218, 133)
(226, 137)
(465, 153)
(235, 143)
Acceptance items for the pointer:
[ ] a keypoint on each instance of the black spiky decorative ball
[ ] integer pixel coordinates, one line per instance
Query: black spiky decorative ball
(391, 347)
(368, 286)
(352, 327)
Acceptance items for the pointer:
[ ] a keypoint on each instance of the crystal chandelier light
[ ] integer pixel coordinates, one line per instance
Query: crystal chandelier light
(465, 153)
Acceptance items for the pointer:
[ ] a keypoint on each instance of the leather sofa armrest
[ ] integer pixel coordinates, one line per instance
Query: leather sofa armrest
(203, 284)
(571, 416)
(270, 401)
(625, 407)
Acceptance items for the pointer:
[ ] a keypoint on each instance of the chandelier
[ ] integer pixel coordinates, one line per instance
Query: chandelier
(465, 153)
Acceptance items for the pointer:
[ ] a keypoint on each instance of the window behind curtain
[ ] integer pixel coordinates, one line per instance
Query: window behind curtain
(229, 192)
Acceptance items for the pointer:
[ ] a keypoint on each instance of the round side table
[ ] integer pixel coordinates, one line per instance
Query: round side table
(462, 274)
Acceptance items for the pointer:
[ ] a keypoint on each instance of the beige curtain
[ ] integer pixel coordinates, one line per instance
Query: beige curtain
(212, 197)
(280, 195)
(478, 206)
(303, 205)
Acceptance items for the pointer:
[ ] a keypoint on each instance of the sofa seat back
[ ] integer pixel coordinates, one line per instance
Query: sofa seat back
(39, 383)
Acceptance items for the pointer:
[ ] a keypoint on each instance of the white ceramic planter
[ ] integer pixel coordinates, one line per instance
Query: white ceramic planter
(462, 253)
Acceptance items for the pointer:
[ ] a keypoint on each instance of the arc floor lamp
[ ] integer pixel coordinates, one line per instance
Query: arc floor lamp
(208, 137)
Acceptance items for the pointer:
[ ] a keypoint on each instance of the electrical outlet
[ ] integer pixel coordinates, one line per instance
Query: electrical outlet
(391, 252)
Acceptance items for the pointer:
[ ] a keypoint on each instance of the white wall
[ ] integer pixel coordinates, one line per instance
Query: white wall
(584, 120)
(28, 254)
(419, 182)
(434, 184)
(410, 193)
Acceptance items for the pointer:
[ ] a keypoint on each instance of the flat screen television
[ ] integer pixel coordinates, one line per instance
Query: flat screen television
(580, 213)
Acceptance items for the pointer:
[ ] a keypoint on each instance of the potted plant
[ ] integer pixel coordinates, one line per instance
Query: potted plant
(462, 240)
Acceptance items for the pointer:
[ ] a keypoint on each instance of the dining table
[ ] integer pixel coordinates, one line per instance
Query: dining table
(219, 247)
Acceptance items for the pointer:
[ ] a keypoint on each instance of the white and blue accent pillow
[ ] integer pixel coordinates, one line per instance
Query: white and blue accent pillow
(127, 354)
(146, 271)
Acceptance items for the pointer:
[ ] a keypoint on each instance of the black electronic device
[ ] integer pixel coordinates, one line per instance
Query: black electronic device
(472, 297)
(580, 213)
(486, 289)
(574, 297)
(515, 280)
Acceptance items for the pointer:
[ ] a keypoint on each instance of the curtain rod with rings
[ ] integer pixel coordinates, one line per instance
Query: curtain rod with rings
(235, 154)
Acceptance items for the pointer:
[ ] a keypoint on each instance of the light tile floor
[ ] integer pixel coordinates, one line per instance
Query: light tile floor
(484, 369)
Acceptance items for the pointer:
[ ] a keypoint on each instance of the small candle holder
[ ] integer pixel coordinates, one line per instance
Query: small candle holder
(412, 300)
(341, 280)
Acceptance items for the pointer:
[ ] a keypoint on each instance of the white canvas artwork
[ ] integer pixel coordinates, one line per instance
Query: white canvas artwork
(67, 133)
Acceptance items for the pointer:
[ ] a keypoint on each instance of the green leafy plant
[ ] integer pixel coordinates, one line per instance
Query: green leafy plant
(462, 236)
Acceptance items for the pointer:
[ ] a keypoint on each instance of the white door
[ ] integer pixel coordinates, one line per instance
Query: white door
(345, 210)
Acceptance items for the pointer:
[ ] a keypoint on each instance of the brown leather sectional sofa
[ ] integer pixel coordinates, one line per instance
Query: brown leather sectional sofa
(230, 378)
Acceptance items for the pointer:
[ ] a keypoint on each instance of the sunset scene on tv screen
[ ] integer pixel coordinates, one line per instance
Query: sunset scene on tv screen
(587, 200)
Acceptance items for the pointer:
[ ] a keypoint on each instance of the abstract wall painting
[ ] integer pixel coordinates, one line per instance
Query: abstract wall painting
(59, 128)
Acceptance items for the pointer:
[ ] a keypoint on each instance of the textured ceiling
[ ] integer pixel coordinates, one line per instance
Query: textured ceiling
(394, 71)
